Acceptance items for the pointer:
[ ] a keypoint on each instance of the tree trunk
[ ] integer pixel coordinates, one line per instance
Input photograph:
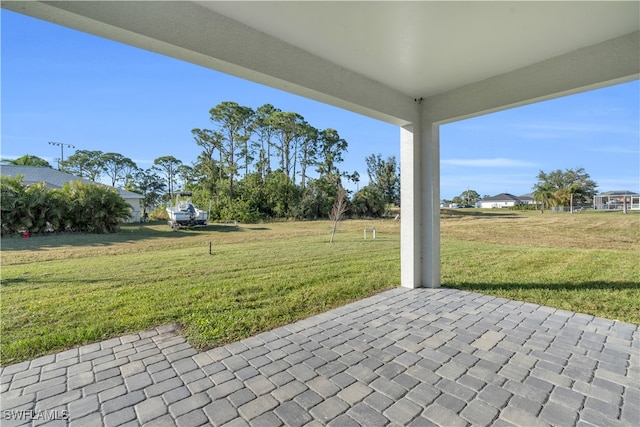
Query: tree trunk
(571, 203)
(338, 210)
(333, 232)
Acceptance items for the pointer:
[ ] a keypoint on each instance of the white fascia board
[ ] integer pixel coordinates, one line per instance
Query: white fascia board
(217, 42)
(604, 64)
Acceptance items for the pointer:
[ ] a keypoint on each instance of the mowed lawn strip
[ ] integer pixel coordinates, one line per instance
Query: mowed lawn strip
(586, 262)
(67, 290)
(600, 282)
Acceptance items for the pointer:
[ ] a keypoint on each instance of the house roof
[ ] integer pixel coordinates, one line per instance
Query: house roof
(54, 178)
(619, 193)
(33, 174)
(501, 198)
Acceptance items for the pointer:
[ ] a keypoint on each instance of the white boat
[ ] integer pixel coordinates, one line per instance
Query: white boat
(184, 214)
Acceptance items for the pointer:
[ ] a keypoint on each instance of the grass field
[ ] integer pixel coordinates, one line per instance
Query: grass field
(587, 262)
(65, 290)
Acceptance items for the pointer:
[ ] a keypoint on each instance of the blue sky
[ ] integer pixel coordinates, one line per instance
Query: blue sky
(66, 86)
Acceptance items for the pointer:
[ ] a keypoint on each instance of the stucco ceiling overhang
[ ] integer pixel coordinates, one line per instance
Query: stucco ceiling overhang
(377, 58)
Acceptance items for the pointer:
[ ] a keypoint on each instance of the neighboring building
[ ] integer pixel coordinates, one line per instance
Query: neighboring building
(617, 200)
(502, 200)
(447, 204)
(53, 179)
(526, 199)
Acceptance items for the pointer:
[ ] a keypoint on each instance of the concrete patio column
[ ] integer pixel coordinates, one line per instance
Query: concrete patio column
(420, 203)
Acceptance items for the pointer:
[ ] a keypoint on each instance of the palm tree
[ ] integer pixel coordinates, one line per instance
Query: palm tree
(573, 190)
(564, 196)
(543, 193)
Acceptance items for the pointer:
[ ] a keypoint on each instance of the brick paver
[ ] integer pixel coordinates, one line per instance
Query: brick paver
(404, 357)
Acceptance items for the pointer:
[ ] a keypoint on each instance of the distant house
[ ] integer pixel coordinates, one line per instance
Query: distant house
(526, 199)
(447, 204)
(53, 179)
(502, 200)
(617, 200)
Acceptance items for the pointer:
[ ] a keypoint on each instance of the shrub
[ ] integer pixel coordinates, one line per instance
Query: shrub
(316, 201)
(369, 202)
(159, 214)
(11, 192)
(30, 208)
(242, 211)
(524, 207)
(40, 208)
(95, 208)
(281, 195)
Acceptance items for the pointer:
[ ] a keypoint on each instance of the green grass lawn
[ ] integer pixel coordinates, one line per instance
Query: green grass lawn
(70, 289)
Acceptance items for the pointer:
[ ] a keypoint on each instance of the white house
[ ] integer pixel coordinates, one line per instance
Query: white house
(502, 200)
(526, 199)
(53, 178)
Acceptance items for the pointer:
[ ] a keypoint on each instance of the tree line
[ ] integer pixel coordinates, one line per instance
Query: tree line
(254, 164)
(271, 164)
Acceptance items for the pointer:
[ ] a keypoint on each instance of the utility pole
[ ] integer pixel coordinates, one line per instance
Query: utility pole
(61, 145)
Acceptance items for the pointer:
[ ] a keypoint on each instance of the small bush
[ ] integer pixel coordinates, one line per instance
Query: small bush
(524, 208)
(159, 214)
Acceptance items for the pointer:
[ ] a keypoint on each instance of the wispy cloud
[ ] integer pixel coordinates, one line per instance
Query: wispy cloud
(609, 184)
(551, 130)
(488, 163)
(576, 127)
(615, 150)
(555, 129)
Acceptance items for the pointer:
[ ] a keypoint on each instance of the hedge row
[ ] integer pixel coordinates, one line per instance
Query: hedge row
(89, 208)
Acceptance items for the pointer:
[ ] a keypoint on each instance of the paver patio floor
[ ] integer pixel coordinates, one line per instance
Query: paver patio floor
(404, 357)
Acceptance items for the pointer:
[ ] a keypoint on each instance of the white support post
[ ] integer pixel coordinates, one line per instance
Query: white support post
(430, 165)
(410, 200)
(420, 204)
